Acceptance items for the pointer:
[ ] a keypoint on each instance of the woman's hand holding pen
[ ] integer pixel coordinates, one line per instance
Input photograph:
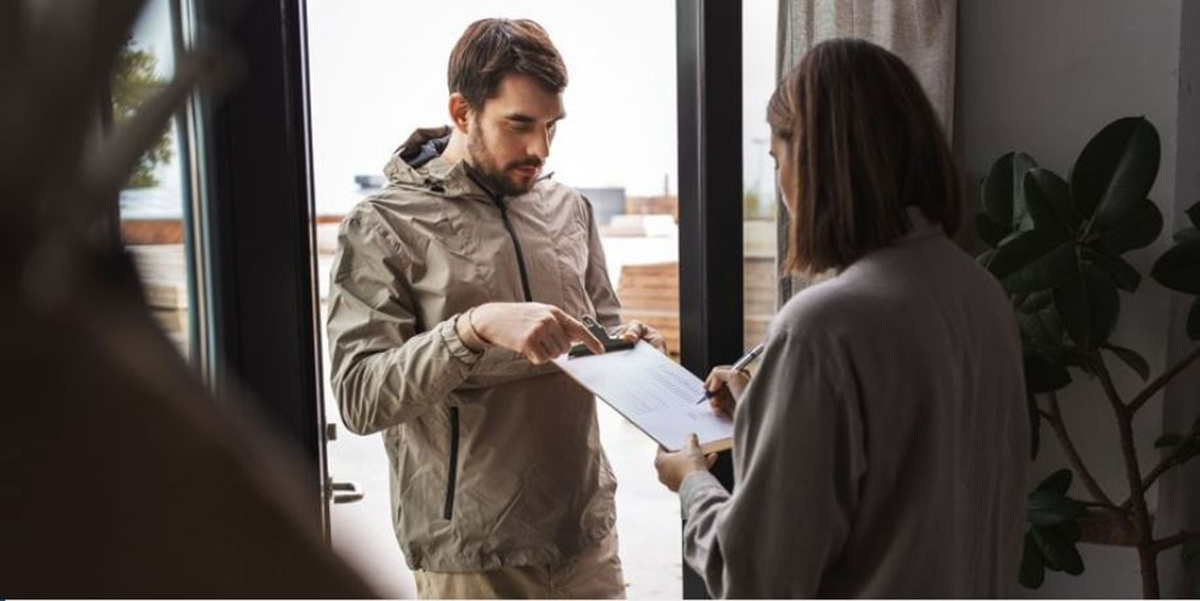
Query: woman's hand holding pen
(725, 385)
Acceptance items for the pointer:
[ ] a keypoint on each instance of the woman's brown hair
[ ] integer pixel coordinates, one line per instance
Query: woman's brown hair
(865, 144)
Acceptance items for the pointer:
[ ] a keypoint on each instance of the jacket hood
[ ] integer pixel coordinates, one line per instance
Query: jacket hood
(416, 164)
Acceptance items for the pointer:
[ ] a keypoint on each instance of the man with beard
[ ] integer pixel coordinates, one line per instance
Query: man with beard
(451, 291)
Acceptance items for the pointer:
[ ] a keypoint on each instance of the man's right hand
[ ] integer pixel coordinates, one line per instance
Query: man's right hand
(726, 385)
(538, 331)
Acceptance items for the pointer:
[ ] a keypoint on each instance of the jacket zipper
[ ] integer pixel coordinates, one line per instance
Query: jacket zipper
(448, 510)
(516, 245)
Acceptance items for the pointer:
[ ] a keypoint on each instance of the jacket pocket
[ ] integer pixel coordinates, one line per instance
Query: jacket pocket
(452, 475)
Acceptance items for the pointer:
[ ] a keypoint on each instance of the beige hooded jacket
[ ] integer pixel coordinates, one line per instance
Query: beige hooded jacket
(493, 462)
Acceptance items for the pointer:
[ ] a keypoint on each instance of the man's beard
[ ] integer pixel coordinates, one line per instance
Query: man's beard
(495, 181)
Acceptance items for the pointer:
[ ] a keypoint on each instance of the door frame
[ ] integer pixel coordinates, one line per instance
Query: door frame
(711, 304)
(260, 229)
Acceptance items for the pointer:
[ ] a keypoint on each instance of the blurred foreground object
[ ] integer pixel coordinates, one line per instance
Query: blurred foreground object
(122, 477)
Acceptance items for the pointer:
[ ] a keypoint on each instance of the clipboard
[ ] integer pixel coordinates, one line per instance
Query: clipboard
(655, 394)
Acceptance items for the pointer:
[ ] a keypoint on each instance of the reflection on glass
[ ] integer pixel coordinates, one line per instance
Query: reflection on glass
(152, 203)
(760, 278)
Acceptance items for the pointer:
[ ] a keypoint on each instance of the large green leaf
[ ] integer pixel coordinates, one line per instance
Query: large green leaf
(989, 231)
(1178, 268)
(1048, 507)
(1058, 482)
(1069, 531)
(1105, 303)
(1116, 168)
(1135, 227)
(1033, 566)
(1124, 275)
(1043, 375)
(1089, 306)
(1042, 332)
(1058, 550)
(1048, 199)
(1074, 306)
(1034, 260)
(1033, 301)
(1133, 359)
(1003, 191)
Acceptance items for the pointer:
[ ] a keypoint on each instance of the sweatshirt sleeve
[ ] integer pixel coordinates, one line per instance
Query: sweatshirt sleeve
(799, 456)
(385, 372)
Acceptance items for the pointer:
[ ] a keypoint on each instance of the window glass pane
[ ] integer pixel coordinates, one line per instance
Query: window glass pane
(152, 205)
(759, 205)
(378, 72)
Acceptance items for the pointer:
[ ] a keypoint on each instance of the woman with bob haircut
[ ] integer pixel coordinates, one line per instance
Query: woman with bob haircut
(880, 449)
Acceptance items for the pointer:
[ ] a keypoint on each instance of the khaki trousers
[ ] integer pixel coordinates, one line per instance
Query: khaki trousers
(593, 574)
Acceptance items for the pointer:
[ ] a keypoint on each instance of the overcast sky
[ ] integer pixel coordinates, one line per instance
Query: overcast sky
(378, 71)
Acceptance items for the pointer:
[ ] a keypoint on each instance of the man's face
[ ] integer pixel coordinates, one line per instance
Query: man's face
(509, 139)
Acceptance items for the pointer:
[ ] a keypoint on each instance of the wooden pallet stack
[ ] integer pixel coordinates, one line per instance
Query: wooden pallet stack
(164, 273)
(650, 293)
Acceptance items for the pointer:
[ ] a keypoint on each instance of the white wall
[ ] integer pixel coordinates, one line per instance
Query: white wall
(1179, 504)
(1043, 77)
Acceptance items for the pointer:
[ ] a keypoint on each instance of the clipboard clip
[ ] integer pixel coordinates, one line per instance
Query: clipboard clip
(597, 330)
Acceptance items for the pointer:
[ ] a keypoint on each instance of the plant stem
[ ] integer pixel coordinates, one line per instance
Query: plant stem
(1148, 560)
(1168, 462)
(1177, 539)
(1147, 556)
(1162, 380)
(1060, 430)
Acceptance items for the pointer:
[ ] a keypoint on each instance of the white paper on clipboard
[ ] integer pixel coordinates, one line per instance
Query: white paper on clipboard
(654, 393)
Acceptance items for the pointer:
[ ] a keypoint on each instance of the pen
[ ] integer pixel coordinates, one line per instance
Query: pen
(738, 365)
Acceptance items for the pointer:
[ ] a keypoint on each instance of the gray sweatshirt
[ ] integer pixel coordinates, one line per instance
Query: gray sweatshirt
(881, 448)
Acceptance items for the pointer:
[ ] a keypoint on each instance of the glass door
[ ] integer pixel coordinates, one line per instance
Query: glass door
(156, 204)
(760, 206)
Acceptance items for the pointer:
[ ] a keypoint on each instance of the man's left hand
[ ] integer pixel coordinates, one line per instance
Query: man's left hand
(636, 330)
(674, 467)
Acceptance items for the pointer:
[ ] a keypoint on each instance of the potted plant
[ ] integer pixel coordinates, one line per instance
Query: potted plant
(1057, 246)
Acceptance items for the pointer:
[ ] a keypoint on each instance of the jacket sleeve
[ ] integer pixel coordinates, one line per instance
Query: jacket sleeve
(599, 287)
(799, 457)
(385, 371)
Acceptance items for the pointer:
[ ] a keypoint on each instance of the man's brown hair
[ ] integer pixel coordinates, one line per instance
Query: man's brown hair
(865, 144)
(491, 48)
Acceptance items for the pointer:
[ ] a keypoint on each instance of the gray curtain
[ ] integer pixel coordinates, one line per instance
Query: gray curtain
(921, 32)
